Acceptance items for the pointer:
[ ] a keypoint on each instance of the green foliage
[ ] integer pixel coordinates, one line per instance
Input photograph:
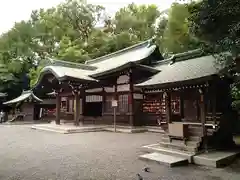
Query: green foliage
(69, 32)
(137, 20)
(216, 23)
(34, 75)
(176, 37)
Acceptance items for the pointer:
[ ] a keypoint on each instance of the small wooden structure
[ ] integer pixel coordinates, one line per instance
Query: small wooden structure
(191, 100)
(26, 102)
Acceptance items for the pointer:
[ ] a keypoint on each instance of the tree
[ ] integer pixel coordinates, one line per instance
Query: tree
(69, 32)
(176, 37)
(137, 20)
(217, 24)
(160, 29)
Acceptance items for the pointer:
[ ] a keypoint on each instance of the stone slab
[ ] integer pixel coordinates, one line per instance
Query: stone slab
(168, 160)
(67, 129)
(215, 159)
(126, 130)
(168, 151)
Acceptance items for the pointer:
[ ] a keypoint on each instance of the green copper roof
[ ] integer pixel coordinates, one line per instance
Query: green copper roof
(112, 62)
(179, 68)
(24, 96)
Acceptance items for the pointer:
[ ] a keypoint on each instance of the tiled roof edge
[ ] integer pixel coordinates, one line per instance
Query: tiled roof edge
(71, 64)
(136, 46)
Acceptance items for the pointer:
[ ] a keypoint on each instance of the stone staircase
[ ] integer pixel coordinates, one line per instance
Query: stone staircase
(175, 152)
(192, 144)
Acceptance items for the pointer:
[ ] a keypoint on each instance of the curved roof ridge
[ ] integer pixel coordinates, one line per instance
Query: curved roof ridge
(187, 55)
(71, 64)
(181, 57)
(133, 47)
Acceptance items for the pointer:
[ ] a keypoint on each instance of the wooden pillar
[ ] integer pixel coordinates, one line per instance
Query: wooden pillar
(214, 108)
(77, 108)
(203, 118)
(58, 109)
(116, 108)
(202, 112)
(82, 103)
(103, 100)
(131, 99)
(168, 107)
(182, 105)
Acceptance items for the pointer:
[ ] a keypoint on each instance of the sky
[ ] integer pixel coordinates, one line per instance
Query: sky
(12, 11)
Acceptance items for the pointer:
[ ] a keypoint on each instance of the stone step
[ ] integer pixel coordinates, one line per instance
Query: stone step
(215, 159)
(181, 142)
(49, 129)
(163, 150)
(65, 129)
(180, 147)
(190, 139)
(155, 129)
(84, 130)
(164, 159)
(126, 130)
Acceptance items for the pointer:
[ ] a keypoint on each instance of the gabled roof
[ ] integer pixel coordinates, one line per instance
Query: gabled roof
(183, 67)
(92, 69)
(114, 61)
(24, 96)
(124, 66)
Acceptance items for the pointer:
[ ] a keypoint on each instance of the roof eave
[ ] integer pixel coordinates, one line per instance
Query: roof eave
(124, 66)
(30, 94)
(81, 80)
(176, 83)
(144, 43)
(114, 70)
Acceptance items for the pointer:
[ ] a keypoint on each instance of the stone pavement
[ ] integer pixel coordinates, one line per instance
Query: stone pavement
(26, 154)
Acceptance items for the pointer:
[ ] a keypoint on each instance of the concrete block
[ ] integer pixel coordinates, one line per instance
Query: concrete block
(164, 159)
(215, 159)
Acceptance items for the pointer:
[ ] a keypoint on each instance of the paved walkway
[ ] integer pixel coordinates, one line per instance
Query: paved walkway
(26, 154)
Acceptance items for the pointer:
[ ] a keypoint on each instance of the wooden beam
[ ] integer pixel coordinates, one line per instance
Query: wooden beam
(103, 100)
(77, 108)
(58, 109)
(83, 100)
(182, 104)
(168, 107)
(131, 103)
(214, 99)
(203, 118)
(202, 113)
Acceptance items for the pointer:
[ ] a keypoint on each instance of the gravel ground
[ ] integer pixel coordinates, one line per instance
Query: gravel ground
(34, 155)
